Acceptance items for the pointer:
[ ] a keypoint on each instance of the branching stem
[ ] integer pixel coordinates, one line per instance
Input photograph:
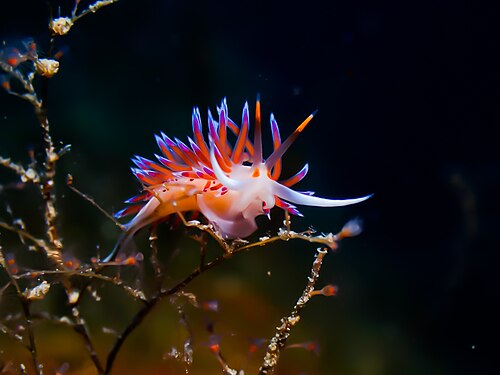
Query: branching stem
(280, 338)
(25, 305)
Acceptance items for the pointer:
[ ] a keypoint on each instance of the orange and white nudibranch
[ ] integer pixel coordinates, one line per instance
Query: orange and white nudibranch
(229, 185)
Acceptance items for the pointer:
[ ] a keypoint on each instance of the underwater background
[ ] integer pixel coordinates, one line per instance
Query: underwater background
(408, 97)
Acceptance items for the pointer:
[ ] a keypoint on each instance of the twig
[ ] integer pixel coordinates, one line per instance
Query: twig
(22, 233)
(13, 335)
(329, 240)
(69, 183)
(47, 189)
(120, 340)
(86, 273)
(187, 352)
(203, 248)
(81, 328)
(7, 163)
(25, 305)
(26, 82)
(78, 326)
(226, 370)
(206, 228)
(44, 178)
(153, 244)
(92, 8)
(278, 341)
(149, 305)
(62, 25)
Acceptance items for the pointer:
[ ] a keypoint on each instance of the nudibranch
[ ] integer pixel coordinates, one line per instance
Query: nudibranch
(229, 185)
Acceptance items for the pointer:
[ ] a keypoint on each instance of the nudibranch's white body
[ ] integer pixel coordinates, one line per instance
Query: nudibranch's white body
(229, 185)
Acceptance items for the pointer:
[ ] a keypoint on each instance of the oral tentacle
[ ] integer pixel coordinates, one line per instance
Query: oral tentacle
(293, 196)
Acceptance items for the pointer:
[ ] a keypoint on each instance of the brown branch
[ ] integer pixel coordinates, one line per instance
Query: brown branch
(25, 305)
(24, 234)
(31, 337)
(47, 189)
(149, 305)
(26, 82)
(13, 335)
(86, 273)
(81, 328)
(284, 234)
(78, 326)
(45, 180)
(9, 164)
(94, 8)
(61, 25)
(278, 341)
(69, 183)
(187, 349)
(226, 369)
(329, 240)
(120, 340)
(155, 263)
(208, 228)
